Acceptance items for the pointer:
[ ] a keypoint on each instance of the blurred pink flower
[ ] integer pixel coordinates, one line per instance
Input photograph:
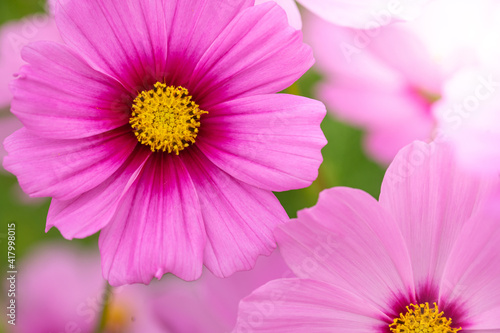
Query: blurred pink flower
(362, 263)
(167, 198)
(61, 289)
(387, 80)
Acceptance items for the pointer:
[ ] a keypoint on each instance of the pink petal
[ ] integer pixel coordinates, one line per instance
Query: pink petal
(57, 285)
(405, 52)
(158, 227)
(364, 14)
(91, 211)
(8, 125)
(392, 115)
(291, 9)
(141, 42)
(349, 241)
(471, 277)
(13, 37)
(64, 169)
(365, 91)
(257, 53)
(211, 300)
(431, 198)
(203, 21)
(270, 141)
(301, 305)
(239, 218)
(468, 116)
(383, 143)
(59, 96)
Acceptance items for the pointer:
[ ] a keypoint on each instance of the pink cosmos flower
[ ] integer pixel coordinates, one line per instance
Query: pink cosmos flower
(60, 289)
(424, 258)
(157, 123)
(387, 80)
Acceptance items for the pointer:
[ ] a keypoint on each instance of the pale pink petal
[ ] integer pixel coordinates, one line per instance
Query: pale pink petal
(61, 289)
(468, 116)
(158, 227)
(142, 42)
(270, 141)
(291, 9)
(239, 64)
(89, 212)
(8, 125)
(343, 51)
(471, 277)
(64, 169)
(13, 37)
(363, 90)
(239, 218)
(431, 198)
(301, 305)
(364, 14)
(57, 288)
(211, 300)
(405, 52)
(349, 241)
(383, 143)
(392, 115)
(59, 96)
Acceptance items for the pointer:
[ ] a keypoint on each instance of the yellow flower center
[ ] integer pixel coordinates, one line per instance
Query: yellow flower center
(422, 319)
(165, 118)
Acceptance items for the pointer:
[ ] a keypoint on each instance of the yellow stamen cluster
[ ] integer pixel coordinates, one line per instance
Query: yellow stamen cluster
(165, 118)
(422, 319)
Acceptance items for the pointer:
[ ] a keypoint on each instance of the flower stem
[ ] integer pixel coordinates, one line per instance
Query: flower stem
(101, 322)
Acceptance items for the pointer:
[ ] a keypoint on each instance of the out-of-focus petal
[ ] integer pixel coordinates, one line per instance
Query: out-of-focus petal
(13, 37)
(364, 14)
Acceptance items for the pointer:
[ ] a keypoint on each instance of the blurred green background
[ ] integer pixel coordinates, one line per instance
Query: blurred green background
(345, 164)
